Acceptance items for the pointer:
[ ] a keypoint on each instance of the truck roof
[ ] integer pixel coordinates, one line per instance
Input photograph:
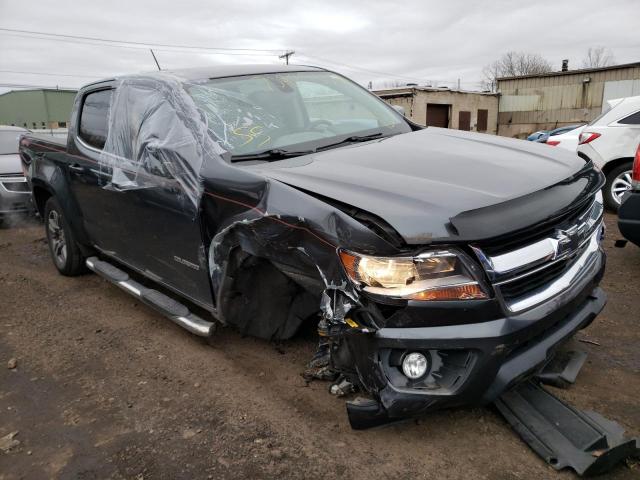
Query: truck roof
(221, 71)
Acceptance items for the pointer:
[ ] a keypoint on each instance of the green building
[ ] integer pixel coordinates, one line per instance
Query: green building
(37, 108)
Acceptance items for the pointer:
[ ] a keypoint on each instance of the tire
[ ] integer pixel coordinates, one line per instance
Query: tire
(616, 181)
(63, 247)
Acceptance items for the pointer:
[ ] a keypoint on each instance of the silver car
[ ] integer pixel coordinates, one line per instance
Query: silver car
(15, 196)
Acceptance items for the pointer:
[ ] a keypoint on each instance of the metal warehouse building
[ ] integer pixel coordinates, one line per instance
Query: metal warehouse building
(546, 101)
(442, 107)
(36, 109)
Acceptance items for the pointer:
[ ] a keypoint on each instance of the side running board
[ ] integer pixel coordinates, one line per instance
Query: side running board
(175, 311)
(562, 435)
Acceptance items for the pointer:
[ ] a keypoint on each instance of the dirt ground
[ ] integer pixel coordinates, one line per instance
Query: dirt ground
(106, 388)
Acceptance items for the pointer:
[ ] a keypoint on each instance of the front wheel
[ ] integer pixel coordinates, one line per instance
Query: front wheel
(64, 250)
(618, 183)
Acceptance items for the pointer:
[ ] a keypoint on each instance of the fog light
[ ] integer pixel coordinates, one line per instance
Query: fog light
(414, 365)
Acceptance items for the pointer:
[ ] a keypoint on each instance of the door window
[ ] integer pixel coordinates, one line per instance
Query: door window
(94, 118)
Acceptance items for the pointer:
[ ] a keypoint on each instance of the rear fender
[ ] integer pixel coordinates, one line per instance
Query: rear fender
(49, 178)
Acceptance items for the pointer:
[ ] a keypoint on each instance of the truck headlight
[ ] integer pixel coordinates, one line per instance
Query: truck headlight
(434, 275)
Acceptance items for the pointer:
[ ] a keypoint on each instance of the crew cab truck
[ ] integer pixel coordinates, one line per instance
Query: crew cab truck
(441, 267)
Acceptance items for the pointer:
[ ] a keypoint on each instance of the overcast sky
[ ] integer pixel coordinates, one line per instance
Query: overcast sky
(422, 41)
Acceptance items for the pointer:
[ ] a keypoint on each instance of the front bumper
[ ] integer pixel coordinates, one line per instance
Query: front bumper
(473, 363)
(629, 217)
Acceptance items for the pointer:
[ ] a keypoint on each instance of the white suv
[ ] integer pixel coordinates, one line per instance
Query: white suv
(610, 141)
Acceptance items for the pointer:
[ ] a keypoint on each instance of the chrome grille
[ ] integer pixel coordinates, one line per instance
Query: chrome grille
(524, 285)
(527, 276)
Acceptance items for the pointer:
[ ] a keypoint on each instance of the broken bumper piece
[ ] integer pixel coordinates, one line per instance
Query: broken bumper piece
(562, 435)
(468, 365)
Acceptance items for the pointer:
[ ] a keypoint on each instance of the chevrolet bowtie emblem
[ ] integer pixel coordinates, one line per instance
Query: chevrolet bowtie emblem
(569, 240)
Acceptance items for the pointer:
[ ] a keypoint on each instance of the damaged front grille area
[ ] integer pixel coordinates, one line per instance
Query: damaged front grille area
(527, 276)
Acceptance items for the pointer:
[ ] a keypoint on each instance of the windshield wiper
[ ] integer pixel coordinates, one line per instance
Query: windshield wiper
(271, 154)
(279, 154)
(352, 139)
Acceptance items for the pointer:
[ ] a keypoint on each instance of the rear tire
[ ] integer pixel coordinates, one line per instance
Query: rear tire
(63, 247)
(616, 182)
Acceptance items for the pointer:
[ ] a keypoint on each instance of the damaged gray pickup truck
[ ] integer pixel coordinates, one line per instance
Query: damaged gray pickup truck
(440, 267)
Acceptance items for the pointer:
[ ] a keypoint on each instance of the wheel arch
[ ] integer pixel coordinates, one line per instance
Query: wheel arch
(41, 193)
(262, 297)
(612, 164)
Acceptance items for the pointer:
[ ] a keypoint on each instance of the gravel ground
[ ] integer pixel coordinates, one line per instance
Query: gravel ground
(103, 387)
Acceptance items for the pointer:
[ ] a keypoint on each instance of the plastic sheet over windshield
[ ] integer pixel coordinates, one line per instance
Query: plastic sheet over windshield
(292, 111)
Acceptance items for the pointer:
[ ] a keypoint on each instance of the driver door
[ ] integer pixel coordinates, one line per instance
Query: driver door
(159, 232)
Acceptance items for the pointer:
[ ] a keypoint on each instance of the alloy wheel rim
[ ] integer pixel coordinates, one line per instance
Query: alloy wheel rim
(57, 238)
(620, 185)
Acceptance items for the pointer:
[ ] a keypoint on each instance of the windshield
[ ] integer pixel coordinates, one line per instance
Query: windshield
(9, 141)
(291, 111)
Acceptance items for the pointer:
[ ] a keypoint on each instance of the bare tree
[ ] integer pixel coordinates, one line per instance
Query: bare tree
(513, 64)
(598, 57)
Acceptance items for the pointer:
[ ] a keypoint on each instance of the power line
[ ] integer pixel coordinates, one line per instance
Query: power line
(144, 44)
(48, 74)
(373, 72)
(385, 74)
(48, 87)
(131, 47)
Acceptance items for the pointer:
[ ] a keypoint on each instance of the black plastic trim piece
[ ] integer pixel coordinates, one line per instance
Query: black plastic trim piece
(562, 370)
(562, 435)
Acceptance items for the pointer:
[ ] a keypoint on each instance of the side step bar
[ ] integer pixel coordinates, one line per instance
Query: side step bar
(562, 435)
(175, 311)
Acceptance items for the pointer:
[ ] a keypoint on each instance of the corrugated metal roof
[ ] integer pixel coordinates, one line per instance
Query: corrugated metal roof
(572, 72)
(406, 91)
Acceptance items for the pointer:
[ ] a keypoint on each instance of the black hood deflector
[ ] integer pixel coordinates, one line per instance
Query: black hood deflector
(523, 212)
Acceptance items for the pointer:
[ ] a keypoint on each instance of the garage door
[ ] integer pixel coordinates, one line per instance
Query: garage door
(438, 115)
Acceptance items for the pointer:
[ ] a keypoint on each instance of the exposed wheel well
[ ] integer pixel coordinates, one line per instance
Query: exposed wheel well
(262, 299)
(40, 197)
(615, 163)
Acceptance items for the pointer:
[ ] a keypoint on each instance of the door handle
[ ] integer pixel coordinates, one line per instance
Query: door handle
(75, 167)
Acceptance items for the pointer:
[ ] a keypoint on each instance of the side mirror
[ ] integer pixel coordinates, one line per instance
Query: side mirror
(399, 109)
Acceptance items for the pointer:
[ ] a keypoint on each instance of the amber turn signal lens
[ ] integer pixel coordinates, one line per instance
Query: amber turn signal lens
(349, 261)
(459, 292)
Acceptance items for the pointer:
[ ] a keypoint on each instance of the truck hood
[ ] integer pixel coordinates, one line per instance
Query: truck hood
(423, 182)
(10, 163)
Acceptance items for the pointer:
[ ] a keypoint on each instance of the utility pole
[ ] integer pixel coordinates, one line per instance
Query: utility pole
(155, 59)
(286, 55)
